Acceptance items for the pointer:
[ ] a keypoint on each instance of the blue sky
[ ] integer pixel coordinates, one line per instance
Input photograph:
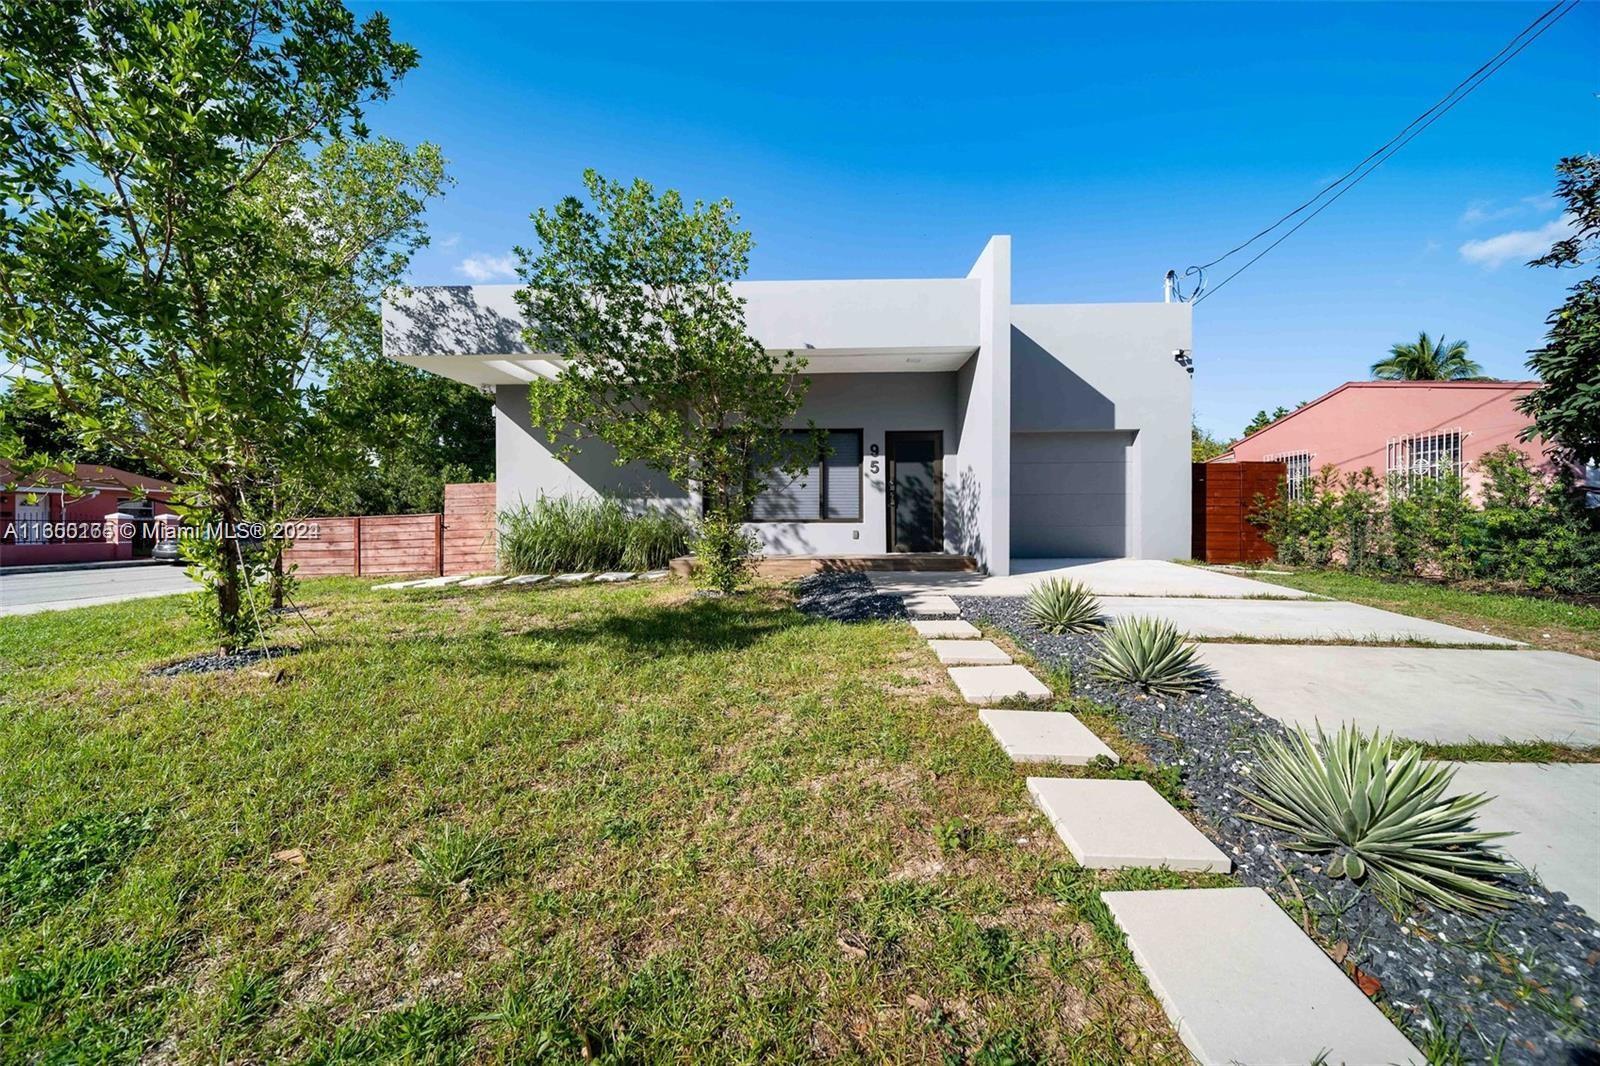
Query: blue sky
(1111, 141)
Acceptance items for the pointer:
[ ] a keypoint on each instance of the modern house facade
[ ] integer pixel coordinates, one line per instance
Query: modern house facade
(958, 421)
(1398, 429)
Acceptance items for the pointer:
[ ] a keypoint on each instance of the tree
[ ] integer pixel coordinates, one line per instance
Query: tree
(411, 432)
(636, 297)
(1262, 420)
(1566, 411)
(1427, 360)
(145, 277)
(1202, 445)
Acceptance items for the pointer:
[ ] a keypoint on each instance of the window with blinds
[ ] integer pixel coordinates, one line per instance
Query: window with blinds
(828, 491)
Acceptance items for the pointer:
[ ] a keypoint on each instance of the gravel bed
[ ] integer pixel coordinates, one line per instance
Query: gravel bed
(1524, 980)
(217, 662)
(846, 598)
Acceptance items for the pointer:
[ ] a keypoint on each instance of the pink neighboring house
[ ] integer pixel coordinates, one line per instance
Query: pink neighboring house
(1397, 428)
(99, 514)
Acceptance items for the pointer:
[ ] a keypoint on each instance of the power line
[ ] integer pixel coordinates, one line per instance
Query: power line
(1382, 154)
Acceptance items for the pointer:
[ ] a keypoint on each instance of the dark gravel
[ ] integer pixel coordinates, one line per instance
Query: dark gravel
(1524, 980)
(845, 598)
(217, 662)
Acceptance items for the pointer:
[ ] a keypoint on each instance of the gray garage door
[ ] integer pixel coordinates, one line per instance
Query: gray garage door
(1069, 494)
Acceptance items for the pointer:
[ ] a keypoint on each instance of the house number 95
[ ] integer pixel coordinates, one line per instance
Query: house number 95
(872, 464)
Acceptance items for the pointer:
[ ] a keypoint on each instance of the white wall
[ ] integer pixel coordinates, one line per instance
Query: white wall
(980, 480)
(1089, 368)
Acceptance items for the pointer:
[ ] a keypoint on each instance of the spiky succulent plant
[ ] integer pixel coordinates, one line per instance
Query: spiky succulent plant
(1384, 817)
(1060, 606)
(1149, 653)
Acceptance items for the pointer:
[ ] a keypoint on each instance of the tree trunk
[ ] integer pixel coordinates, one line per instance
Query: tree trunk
(229, 602)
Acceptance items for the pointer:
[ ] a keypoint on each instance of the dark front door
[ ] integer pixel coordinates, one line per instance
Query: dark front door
(916, 491)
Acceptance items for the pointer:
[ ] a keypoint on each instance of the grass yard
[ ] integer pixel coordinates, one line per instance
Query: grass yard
(1549, 624)
(614, 823)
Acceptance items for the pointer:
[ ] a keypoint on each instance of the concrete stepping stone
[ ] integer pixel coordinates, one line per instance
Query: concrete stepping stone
(528, 579)
(931, 607)
(570, 579)
(483, 582)
(1243, 984)
(1044, 736)
(969, 652)
(613, 576)
(402, 584)
(946, 629)
(440, 582)
(1111, 825)
(654, 575)
(995, 684)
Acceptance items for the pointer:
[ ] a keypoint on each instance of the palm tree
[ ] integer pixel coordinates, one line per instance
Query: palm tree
(1426, 360)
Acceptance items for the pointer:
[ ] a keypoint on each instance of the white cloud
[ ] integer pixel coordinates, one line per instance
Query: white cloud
(449, 240)
(1521, 244)
(1481, 211)
(489, 267)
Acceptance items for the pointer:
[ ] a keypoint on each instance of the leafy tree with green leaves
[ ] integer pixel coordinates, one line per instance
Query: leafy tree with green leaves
(349, 218)
(1202, 445)
(634, 295)
(1263, 419)
(1566, 411)
(1426, 359)
(144, 276)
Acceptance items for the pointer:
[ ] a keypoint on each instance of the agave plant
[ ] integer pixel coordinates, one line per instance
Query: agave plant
(1058, 606)
(1149, 653)
(1384, 817)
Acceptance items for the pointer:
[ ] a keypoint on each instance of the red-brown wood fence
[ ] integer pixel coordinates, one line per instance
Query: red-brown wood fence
(459, 541)
(1223, 499)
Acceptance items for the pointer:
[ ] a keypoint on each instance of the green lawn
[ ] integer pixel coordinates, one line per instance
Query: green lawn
(1543, 623)
(605, 823)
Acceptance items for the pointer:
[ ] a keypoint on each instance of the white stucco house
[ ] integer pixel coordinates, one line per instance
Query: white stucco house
(959, 422)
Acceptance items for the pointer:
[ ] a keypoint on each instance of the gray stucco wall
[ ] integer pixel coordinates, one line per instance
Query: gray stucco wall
(872, 403)
(1088, 380)
(978, 484)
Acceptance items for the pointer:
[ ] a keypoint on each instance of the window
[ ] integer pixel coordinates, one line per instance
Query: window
(1296, 473)
(1420, 457)
(829, 490)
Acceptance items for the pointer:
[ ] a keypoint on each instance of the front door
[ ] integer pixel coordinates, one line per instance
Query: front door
(916, 490)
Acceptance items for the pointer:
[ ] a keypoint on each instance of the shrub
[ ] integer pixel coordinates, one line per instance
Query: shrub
(725, 551)
(1149, 653)
(561, 533)
(1058, 606)
(1527, 531)
(1383, 817)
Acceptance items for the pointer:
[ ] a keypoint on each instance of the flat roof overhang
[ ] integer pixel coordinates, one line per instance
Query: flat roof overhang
(473, 333)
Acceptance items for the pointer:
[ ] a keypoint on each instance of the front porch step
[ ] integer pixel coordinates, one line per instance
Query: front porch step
(789, 567)
(1242, 983)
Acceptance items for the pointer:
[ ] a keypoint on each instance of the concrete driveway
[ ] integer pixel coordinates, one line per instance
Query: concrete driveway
(1441, 695)
(57, 590)
(1104, 577)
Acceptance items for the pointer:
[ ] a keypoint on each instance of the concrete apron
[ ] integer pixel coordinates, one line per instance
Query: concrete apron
(1324, 620)
(1442, 695)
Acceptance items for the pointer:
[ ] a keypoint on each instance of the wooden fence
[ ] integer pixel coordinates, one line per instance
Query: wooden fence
(459, 541)
(1223, 499)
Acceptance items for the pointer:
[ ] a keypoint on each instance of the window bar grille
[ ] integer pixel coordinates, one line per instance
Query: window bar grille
(1417, 457)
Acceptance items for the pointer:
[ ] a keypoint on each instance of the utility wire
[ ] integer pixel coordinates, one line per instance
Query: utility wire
(1381, 155)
